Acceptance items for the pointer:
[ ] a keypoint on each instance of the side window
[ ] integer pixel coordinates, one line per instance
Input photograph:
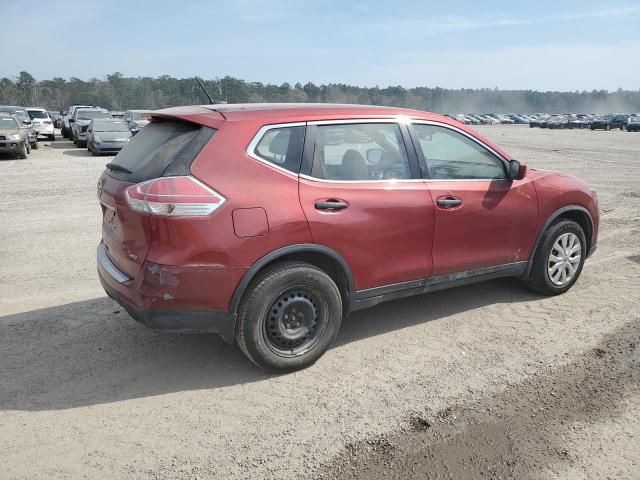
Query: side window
(360, 151)
(451, 156)
(282, 147)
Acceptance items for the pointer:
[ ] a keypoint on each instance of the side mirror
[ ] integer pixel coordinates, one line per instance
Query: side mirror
(374, 155)
(517, 171)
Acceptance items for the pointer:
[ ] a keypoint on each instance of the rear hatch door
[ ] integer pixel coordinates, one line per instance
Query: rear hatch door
(166, 147)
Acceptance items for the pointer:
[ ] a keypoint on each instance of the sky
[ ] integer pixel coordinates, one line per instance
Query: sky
(543, 45)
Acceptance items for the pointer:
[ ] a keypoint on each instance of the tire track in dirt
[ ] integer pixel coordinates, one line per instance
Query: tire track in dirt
(515, 434)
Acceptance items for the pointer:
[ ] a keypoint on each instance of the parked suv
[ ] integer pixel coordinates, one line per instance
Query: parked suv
(42, 122)
(620, 121)
(25, 124)
(65, 129)
(269, 223)
(13, 138)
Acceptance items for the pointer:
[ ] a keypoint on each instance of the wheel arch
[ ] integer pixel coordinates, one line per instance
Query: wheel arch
(578, 214)
(325, 258)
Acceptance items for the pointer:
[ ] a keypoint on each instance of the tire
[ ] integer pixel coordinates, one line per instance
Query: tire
(607, 127)
(540, 279)
(22, 154)
(289, 288)
(81, 144)
(28, 147)
(34, 146)
(621, 128)
(52, 137)
(63, 132)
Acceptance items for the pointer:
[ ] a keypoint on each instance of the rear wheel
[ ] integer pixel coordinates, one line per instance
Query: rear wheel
(558, 261)
(607, 127)
(52, 137)
(35, 145)
(289, 317)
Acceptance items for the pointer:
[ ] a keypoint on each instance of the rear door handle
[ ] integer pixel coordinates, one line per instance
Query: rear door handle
(449, 202)
(331, 204)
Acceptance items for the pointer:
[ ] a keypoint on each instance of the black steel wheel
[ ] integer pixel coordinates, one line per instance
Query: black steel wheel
(289, 317)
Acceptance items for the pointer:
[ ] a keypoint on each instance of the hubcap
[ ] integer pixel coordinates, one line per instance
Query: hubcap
(564, 259)
(292, 322)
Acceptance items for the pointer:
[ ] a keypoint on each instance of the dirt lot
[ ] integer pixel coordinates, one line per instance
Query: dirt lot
(482, 381)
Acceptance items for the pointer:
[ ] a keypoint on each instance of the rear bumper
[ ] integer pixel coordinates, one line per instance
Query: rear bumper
(44, 129)
(156, 307)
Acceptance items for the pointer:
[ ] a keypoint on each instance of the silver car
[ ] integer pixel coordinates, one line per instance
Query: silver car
(107, 136)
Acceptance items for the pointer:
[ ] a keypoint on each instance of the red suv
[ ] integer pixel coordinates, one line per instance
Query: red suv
(269, 223)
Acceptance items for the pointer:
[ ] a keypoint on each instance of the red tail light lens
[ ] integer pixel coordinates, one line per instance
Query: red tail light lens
(173, 197)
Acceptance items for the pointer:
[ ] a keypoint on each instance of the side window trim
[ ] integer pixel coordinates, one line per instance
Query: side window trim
(251, 148)
(423, 163)
(310, 143)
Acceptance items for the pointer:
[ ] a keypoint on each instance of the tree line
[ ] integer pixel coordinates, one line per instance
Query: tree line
(117, 92)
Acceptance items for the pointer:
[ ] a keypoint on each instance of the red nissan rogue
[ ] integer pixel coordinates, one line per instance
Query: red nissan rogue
(269, 223)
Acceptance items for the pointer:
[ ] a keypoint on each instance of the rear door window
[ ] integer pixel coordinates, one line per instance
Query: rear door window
(161, 149)
(360, 152)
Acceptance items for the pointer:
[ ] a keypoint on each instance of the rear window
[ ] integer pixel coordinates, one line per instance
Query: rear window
(161, 149)
(37, 114)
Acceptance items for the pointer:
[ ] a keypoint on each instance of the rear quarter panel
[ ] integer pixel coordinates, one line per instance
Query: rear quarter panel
(245, 183)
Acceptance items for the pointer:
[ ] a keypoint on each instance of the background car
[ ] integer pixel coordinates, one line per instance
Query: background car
(25, 123)
(619, 121)
(65, 128)
(42, 122)
(13, 138)
(634, 124)
(602, 122)
(80, 122)
(107, 136)
(137, 119)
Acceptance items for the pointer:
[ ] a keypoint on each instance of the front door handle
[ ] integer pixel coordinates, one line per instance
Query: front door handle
(331, 204)
(449, 202)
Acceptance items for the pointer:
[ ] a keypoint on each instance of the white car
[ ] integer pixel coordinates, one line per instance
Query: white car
(42, 122)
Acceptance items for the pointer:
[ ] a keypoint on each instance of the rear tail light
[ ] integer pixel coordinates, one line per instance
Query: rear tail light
(48, 122)
(173, 197)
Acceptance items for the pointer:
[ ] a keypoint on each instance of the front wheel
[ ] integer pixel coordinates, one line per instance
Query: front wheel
(558, 261)
(22, 154)
(35, 145)
(52, 137)
(289, 317)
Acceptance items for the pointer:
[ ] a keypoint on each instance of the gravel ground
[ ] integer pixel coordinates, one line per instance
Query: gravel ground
(487, 379)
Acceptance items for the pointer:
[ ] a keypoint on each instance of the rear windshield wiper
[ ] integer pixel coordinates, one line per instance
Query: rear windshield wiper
(114, 167)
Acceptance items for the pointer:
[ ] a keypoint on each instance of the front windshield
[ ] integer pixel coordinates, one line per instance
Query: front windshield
(8, 123)
(22, 115)
(91, 114)
(116, 126)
